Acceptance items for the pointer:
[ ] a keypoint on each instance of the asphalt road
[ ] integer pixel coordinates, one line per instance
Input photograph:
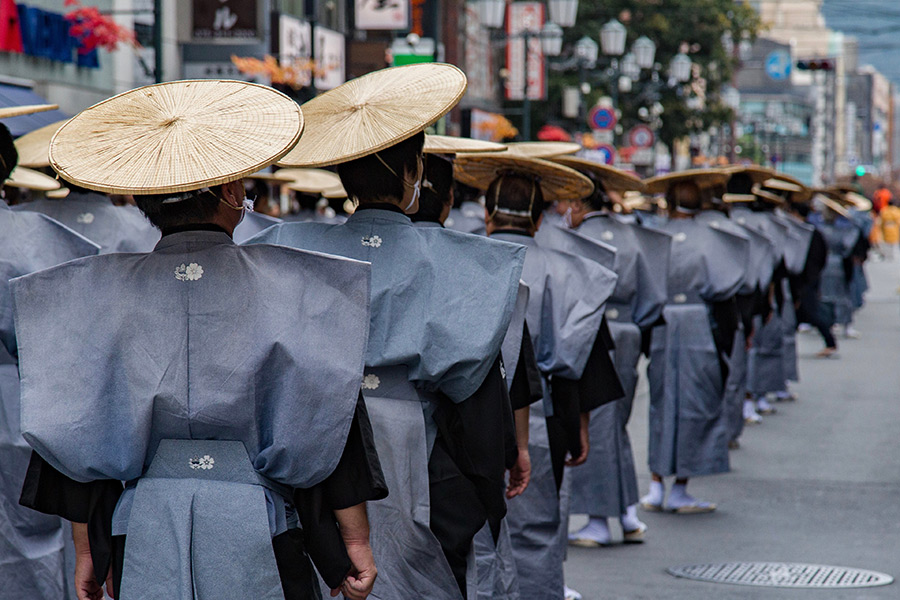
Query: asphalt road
(819, 482)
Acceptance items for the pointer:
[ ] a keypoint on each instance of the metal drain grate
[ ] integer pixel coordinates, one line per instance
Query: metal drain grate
(777, 574)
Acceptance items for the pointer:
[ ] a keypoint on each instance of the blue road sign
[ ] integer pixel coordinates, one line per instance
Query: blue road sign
(778, 64)
(602, 118)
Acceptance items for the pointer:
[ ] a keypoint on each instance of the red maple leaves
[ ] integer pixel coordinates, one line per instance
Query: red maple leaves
(96, 30)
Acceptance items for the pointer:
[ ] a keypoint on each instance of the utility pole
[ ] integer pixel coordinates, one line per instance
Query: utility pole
(157, 41)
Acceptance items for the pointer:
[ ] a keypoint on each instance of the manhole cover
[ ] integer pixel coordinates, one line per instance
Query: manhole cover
(777, 574)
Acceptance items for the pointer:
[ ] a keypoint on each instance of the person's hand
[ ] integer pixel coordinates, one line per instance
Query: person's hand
(585, 436)
(519, 475)
(358, 583)
(86, 586)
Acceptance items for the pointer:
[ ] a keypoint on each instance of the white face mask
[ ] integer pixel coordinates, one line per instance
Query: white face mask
(567, 218)
(417, 190)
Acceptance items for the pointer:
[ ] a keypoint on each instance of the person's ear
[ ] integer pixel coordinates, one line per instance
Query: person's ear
(233, 193)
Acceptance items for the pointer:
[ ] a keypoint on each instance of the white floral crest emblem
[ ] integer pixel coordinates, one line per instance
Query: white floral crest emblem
(679, 237)
(191, 272)
(373, 241)
(607, 236)
(86, 218)
(371, 382)
(205, 462)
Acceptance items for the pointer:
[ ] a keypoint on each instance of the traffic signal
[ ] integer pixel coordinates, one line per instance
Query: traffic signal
(860, 171)
(824, 64)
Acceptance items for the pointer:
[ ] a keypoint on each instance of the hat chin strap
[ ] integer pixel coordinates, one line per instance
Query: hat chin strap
(514, 213)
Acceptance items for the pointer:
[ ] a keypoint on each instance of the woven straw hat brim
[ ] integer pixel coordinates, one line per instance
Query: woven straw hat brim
(612, 178)
(704, 178)
(335, 193)
(375, 111)
(445, 144)
(858, 201)
(558, 182)
(312, 181)
(270, 177)
(25, 178)
(27, 109)
(58, 194)
(767, 196)
(176, 137)
(738, 198)
(782, 185)
(34, 147)
(543, 149)
(833, 205)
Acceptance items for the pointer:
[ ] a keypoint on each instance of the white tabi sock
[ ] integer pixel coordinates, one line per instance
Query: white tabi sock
(656, 495)
(629, 520)
(762, 405)
(750, 411)
(596, 530)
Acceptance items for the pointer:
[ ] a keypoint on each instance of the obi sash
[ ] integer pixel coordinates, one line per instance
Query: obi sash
(199, 527)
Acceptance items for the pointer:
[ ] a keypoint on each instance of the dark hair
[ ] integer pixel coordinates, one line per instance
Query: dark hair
(464, 193)
(599, 199)
(675, 195)
(740, 183)
(201, 207)
(439, 175)
(368, 179)
(517, 193)
(9, 158)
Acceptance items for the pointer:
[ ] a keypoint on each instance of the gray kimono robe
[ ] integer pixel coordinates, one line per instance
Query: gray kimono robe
(468, 218)
(441, 306)
(567, 295)
(841, 236)
(114, 228)
(766, 367)
(796, 251)
(252, 224)
(210, 412)
(688, 420)
(760, 269)
(31, 544)
(607, 483)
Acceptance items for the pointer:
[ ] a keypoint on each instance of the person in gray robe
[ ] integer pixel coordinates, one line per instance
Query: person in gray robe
(434, 353)
(688, 354)
(32, 560)
(567, 294)
(606, 486)
(93, 215)
(766, 368)
(467, 214)
(841, 236)
(244, 448)
(491, 573)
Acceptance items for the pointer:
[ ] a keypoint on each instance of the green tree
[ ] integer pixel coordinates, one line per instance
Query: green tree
(696, 26)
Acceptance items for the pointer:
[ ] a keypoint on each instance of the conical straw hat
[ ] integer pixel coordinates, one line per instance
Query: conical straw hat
(374, 112)
(28, 109)
(58, 194)
(782, 185)
(176, 137)
(704, 178)
(612, 178)
(27, 179)
(858, 201)
(557, 182)
(335, 192)
(832, 204)
(445, 144)
(310, 181)
(543, 149)
(34, 147)
(770, 197)
(756, 173)
(270, 177)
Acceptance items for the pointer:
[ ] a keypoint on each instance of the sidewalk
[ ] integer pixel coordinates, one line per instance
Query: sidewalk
(819, 482)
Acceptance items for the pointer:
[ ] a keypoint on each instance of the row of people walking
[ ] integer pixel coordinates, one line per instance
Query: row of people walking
(382, 406)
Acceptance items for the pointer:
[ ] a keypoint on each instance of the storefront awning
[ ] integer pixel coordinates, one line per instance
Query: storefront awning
(14, 95)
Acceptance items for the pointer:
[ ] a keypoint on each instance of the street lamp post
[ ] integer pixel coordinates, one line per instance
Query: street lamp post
(562, 14)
